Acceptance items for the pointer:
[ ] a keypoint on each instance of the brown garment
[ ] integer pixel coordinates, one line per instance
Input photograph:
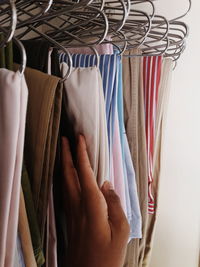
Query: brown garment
(164, 90)
(135, 129)
(42, 125)
(25, 236)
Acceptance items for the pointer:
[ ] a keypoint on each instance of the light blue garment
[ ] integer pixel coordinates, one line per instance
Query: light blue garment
(134, 217)
(19, 257)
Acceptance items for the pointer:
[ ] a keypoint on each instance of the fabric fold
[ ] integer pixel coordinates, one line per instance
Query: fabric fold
(42, 126)
(88, 115)
(13, 103)
(24, 234)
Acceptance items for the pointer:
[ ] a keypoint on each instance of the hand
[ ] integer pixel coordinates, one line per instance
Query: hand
(97, 227)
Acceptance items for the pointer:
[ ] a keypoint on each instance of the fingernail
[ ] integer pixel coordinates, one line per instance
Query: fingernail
(81, 140)
(108, 185)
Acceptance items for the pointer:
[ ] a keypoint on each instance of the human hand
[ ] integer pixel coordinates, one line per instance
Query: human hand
(98, 230)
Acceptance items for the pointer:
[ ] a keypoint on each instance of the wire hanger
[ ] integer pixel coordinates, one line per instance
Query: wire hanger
(80, 31)
(22, 66)
(13, 22)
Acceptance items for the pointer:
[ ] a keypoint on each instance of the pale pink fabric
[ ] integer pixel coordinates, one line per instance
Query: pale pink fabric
(13, 103)
(101, 49)
(119, 184)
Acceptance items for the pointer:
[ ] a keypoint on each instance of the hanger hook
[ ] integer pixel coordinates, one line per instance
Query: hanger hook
(23, 55)
(13, 24)
(182, 16)
(48, 6)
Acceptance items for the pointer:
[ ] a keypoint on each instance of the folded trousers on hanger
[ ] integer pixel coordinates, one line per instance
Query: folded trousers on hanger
(42, 126)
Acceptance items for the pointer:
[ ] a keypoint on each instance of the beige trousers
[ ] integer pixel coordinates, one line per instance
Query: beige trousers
(135, 129)
(139, 251)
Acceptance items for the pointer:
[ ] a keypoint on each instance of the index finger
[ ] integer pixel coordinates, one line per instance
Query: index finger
(94, 200)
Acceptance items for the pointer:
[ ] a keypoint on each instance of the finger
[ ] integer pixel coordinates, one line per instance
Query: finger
(86, 175)
(90, 192)
(116, 215)
(71, 182)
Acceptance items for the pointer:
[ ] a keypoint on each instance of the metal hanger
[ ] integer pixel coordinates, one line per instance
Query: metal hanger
(8, 35)
(182, 16)
(174, 45)
(22, 66)
(28, 11)
(59, 46)
(22, 53)
(79, 31)
(138, 24)
(117, 12)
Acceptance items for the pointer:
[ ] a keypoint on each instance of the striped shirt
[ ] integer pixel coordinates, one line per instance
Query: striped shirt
(151, 80)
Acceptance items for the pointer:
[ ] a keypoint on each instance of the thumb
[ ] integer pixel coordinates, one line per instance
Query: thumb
(116, 215)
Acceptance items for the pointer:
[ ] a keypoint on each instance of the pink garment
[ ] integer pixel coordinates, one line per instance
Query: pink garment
(101, 49)
(13, 104)
(119, 184)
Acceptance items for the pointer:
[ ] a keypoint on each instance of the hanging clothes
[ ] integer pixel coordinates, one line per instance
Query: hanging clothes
(43, 117)
(109, 68)
(135, 129)
(13, 103)
(42, 57)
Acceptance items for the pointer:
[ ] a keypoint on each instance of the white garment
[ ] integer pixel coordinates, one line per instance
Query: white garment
(86, 109)
(13, 104)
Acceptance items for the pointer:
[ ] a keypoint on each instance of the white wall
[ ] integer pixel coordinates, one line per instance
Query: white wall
(178, 227)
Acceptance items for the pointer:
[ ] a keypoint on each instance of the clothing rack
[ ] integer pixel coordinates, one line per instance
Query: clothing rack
(124, 23)
(99, 68)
